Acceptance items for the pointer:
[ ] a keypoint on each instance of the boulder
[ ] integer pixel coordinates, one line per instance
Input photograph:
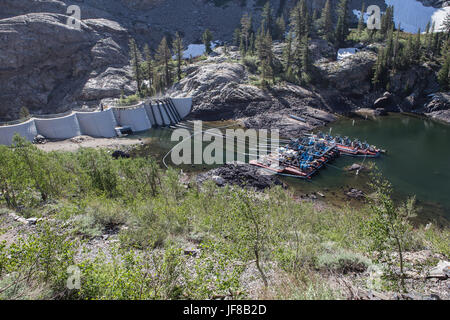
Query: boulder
(243, 175)
(355, 193)
(47, 65)
(441, 271)
(351, 76)
(120, 154)
(439, 101)
(39, 139)
(355, 167)
(384, 101)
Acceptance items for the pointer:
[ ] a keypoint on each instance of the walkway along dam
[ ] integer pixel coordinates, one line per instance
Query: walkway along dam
(102, 124)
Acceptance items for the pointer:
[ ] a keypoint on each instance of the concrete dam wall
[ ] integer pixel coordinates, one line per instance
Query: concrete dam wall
(102, 124)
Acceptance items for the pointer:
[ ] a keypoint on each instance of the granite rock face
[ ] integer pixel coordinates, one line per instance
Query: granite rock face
(48, 66)
(351, 75)
(222, 90)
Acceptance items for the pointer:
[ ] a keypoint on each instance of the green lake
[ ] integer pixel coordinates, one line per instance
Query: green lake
(417, 161)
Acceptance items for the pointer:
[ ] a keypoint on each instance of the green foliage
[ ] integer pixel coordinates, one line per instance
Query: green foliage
(163, 58)
(181, 243)
(178, 45)
(207, 38)
(39, 259)
(251, 62)
(342, 26)
(326, 22)
(132, 276)
(135, 61)
(389, 228)
(24, 113)
(444, 74)
(343, 261)
(130, 100)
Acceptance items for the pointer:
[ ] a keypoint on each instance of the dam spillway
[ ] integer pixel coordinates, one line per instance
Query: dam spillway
(102, 124)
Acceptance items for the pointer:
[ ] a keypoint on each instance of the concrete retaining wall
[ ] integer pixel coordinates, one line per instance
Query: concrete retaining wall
(59, 128)
(26, 129)
(136, 118)
(183, 105)
(97, 124)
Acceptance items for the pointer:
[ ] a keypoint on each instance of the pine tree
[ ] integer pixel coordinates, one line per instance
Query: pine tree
(342, 30)
(163, 58)
(135, 61)
(280, 29)
(265, 53)
(178, 47)
(148, 68)
(207, 38)
(444, 74)
(306, 63)
(246, 31)
(429, 40)
(436, 45)
(389, 50)
(417, 48)
(287, 55)
(387, 21)
(396, 54)
(361, 22)
(408, 52)
(446, 25)
(237, 37)
(378, 79)
(267, 18)
(326, 22)
(251, 47)
(24, 113)
(299, 19)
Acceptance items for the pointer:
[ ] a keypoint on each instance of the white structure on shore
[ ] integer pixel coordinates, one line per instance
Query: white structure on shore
(102, 124)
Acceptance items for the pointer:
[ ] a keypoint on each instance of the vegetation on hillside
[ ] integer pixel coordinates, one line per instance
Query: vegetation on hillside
(174, 242)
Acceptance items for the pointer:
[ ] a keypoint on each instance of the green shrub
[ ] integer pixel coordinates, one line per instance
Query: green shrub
(251, 62)
(343, 261)
(130, 100)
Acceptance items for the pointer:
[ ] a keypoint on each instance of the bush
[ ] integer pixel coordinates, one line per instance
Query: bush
(38, 261)
(343, 261)
(130, 100)
(251, 62)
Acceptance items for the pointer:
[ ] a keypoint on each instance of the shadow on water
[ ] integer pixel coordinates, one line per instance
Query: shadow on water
(417, 163)
(418, 159)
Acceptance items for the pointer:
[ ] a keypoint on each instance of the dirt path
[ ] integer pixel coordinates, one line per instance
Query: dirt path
(74, 144)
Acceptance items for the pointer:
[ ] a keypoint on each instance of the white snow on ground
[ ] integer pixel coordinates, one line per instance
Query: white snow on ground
(196, 50)
(412, 15)
(346, 52)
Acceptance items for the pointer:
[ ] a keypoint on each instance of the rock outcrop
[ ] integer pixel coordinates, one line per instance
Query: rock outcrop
(351, 75)
(439, 107)
(243, 175)
(222, 90)
(48, 66)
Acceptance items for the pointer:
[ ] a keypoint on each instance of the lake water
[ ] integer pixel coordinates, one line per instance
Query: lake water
(418, 158)
(417, 162)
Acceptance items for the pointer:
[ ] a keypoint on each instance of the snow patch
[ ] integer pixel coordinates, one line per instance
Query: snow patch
(412, 15)
(346, 52)
(196, 50)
